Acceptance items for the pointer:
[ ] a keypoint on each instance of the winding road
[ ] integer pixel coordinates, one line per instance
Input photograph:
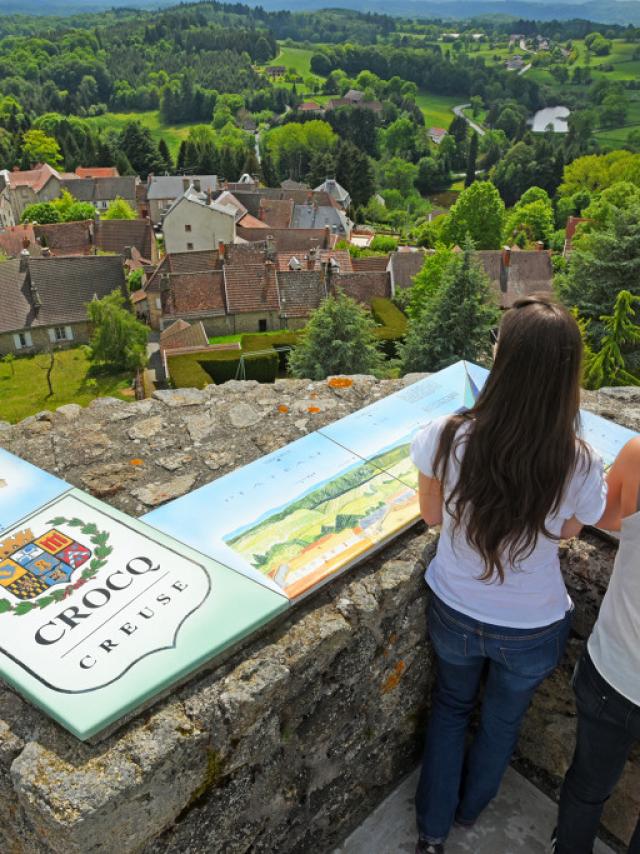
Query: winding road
(459, 111)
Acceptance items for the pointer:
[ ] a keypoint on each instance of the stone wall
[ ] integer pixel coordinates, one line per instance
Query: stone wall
(293, 740)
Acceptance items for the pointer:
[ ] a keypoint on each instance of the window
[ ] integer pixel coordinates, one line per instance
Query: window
(60, 333)
(189, 245)
(262, 325)
(187, 228)
(22, 339)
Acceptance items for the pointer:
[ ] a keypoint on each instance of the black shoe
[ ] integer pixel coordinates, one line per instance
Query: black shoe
(464, 823)
(554, 841)
(423, 847)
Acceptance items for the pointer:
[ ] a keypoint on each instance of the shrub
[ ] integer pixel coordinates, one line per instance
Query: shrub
(384, 243)
(200, 369)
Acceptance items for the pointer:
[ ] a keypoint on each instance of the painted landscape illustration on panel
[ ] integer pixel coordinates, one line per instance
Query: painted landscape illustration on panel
(334, 524)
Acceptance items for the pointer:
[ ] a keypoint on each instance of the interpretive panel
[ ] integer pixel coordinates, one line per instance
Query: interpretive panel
(385, 429)
(99, 612)
(24, 488)
(297, 517)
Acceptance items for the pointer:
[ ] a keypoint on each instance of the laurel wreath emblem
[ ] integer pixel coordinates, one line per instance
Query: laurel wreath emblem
(101, 551)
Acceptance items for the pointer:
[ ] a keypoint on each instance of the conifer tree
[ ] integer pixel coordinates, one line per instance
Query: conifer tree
(338, 339)
(608, 366)
(456, 322)
(472, 160)
(165, 154)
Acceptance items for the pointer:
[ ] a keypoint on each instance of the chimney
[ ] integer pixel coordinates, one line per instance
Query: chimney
(311, 259)
(539, 245)
(165, 283)
(209, 196)
(26, 243)
(196, 184)
(271, 247)
(327, 237)
(269, 275)
(24, 260)
(185, 184)
(221, 250)
(505, 263)
(46, 252)
(261, 211)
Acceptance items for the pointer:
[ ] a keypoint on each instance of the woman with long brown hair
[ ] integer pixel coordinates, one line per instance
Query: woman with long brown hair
(507, 480)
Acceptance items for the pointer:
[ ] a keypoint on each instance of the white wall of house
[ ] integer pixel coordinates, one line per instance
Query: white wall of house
(190, 226)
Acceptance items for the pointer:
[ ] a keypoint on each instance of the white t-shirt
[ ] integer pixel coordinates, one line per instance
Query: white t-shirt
(533, 594)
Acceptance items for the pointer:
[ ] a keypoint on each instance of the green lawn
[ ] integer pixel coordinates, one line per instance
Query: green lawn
(172, 134)
(24, 391)
(225, 339)
(438, 109)
(614, 137)
(298, 58)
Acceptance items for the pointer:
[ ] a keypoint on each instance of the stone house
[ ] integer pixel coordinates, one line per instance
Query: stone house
(336, 191)
(15, 238)
(44, 299)
(402, 267)
(101, 191)
(436, 135)
(163, 190)
(254, 287)
(194, 223)
(21, 188)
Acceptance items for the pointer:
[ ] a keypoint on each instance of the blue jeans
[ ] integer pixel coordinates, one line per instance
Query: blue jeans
(517, 661)
(608, 725)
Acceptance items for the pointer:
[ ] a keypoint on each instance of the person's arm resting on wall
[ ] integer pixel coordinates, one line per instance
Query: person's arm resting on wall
(624, 486)
(431, 499)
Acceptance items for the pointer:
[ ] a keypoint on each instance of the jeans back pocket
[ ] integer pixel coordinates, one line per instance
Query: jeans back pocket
(449, 641)
(534, 659)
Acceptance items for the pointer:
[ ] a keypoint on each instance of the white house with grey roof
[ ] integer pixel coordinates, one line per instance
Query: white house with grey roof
(163, 190)
(336, 191)
(194, 222)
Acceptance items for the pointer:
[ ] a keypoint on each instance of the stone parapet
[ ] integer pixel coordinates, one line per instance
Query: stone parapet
(292, 741)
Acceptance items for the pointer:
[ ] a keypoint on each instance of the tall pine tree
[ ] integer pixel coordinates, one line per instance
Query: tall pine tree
(472, 160)
(456, 321)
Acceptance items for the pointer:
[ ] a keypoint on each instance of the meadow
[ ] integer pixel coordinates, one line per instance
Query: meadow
(172, 134)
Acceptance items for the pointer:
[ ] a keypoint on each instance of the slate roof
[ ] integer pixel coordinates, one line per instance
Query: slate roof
(251, 288)
(319, 216)
(101, 189)
(403, 266)
(251, 198)
(290, 184)
(335, 190)
(301, 292)
(13, 239)
(172, 186)
(63, 286)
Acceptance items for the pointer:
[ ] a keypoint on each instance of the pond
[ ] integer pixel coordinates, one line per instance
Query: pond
(556, 116)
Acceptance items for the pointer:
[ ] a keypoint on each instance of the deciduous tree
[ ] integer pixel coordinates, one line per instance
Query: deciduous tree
(478, 213)
(118, 339)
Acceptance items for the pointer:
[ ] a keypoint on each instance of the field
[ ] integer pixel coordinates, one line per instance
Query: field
(172, 134)
(438, 109)
(24, 391)
(298, 58)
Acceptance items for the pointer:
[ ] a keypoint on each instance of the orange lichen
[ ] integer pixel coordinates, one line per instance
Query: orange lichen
(313, 409)
(136, 462)
(393, 680)
(283, 408)
(339, 382)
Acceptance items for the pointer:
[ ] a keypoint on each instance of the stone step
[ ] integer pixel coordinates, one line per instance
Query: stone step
(519, 821)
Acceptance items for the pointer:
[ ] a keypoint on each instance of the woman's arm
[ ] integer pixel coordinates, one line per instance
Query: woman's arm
(623, 481)
(431, 499)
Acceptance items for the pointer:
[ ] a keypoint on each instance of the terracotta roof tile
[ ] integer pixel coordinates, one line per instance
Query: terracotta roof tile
(14, 238)
(195, 293)
(251, 288)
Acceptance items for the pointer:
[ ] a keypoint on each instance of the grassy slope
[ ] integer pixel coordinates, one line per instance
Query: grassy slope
(298, 58)
(172, 134)
(25, 393)
(437, 109)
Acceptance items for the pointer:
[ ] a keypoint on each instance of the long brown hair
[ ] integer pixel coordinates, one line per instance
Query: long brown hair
(521, 447)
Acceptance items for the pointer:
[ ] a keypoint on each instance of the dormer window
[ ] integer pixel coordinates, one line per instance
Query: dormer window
(294, 264)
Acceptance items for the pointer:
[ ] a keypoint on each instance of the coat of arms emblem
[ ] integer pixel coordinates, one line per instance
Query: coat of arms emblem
(31, 565)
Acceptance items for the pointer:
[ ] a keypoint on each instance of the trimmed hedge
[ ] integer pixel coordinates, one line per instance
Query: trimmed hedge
(393, 324)
(200, 369)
